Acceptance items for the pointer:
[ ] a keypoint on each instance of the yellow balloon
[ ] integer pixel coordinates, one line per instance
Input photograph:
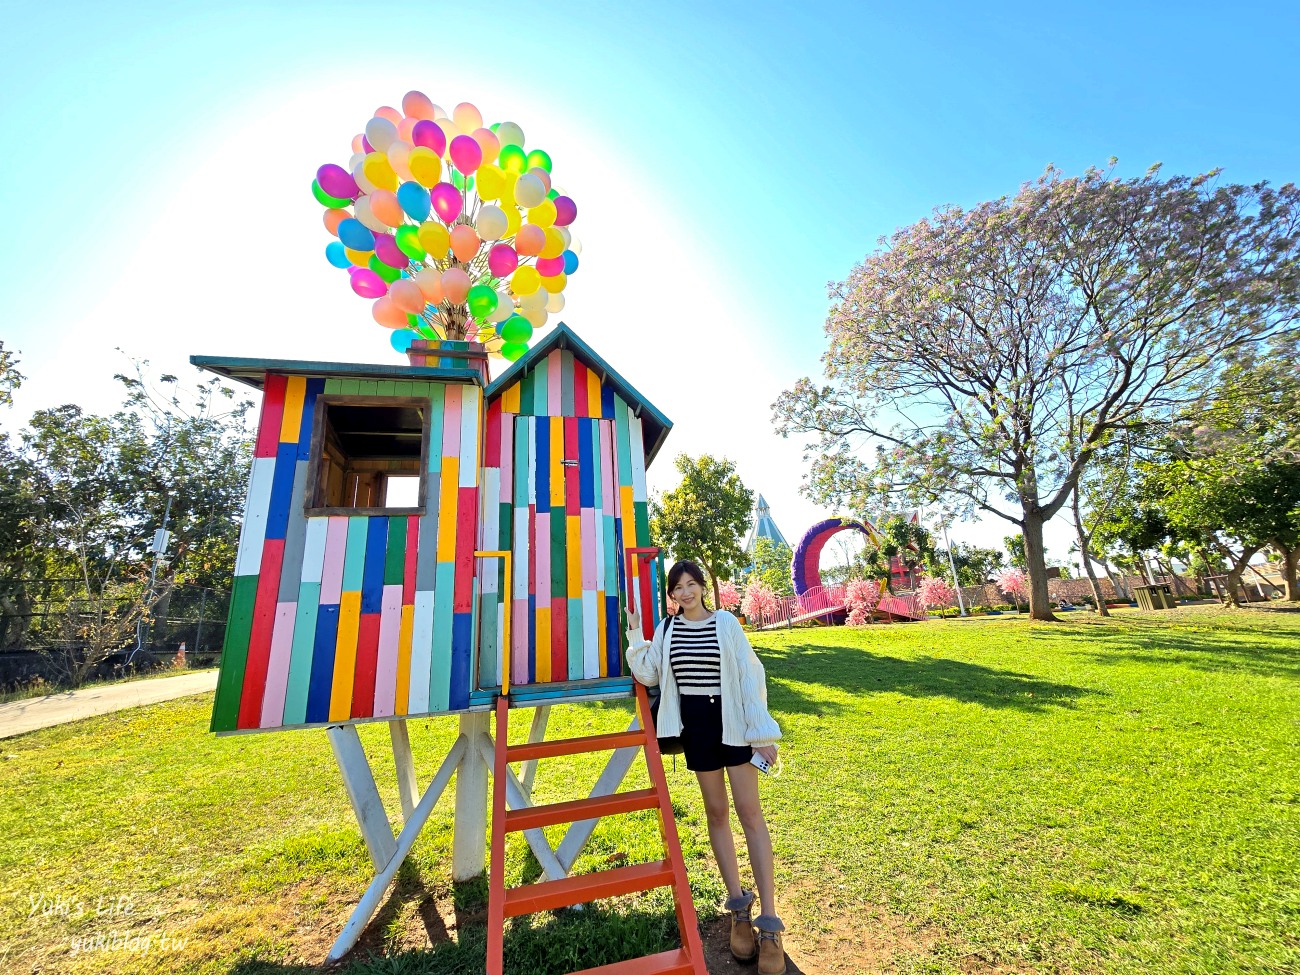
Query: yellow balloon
(556, 284)
(435, 239)
(526, 280)
(514, 220)
(490, 181)
(425, 166)
(507, 196)
(380, 171)
(359, 258)
(554, 244)
(543, 215)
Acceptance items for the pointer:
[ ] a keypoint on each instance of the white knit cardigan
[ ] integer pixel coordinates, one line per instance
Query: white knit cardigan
(745, 719)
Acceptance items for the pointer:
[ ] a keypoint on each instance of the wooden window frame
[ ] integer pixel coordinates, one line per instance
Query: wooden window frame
(325, 400)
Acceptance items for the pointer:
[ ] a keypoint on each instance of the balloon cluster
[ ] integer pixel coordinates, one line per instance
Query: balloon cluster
(452, 228)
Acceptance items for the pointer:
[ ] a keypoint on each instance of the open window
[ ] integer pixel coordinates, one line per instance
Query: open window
(369, 455)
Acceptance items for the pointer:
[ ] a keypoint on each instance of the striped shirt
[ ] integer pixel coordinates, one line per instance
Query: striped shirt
(695, 656)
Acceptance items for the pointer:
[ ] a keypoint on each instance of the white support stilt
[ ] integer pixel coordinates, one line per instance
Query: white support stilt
(536, 733)
(360, 785)
(407, 788)
(615, 771)
(516, 799)
(369, 903)
(469, 843)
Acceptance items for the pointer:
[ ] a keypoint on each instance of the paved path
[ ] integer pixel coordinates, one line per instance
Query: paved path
(20, 717)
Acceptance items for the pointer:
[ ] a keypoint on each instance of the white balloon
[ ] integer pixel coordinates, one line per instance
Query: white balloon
(535, 316)
(510, 134)
(529, 191)
(362, 208)
(380, 133)
(575, 245)
(505, 308)
(555, 303)
(357, 159)
(565, 236)
(491, 222)
(360, 176)
(534, 301)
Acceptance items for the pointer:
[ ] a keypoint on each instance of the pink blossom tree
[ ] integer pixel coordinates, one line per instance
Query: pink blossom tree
(861, 597)
(759, 603)
(1015, 583)
(728, 595)
(934, 593)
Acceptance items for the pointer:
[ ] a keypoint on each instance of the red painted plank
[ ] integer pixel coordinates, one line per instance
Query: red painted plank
(559, 637)
(575, 746)
(268, 429)
(363, 680)
(259, 641)
(492, 435)
(466, 535)
(579, 388)
(497, 869)
(572, 485)
(412, 559)
(552, 894)
(672, 962)
(576, 810)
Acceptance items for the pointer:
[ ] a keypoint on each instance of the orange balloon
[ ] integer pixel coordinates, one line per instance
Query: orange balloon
(417, 105)
(448, 128)
(467, 117)
(388, 314)
(464, 242)
(335, 217)
(357, 145)
(455, 285)
(487, 141)
(530, 240)
(429, 281)
(406, 127)
(384, 205)
(392, 114)
(399, 157)
(407, 296)
(543, 175)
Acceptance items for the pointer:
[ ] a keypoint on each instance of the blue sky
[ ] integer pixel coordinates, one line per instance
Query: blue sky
(727, 160)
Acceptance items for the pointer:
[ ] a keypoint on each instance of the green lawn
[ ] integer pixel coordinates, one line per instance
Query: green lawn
(968, 796)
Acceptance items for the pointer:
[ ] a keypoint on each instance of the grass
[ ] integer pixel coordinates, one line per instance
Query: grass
(990, 795)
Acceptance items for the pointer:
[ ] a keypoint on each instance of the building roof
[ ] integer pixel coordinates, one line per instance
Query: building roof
(764, 526)
(252, 372)
(654, 425)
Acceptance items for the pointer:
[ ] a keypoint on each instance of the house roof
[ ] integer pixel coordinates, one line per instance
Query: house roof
(654, 425)
(764, 526)
(252, 372)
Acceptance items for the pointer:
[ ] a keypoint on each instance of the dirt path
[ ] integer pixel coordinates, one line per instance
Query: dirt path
(20, 717)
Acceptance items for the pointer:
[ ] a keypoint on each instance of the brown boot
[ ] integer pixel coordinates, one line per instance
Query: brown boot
(742, 931)
(771, 953)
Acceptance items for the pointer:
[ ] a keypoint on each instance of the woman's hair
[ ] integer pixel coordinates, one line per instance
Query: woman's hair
(688, 568)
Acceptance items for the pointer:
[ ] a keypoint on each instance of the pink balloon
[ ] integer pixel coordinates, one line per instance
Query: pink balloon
(407, 296)
(446, 201)
(566, 211)
(388, 112)
(466, 154)
(429, 135)
(366, 147)
(543, 175)
(388, 314)
(337, 182)
(549, 267)
(358, 142)
(417, 104)
(368, 284)
(455, 285)
(502, 260)
(386, 250)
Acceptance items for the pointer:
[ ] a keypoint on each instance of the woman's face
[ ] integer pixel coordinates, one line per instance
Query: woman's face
(687, 592)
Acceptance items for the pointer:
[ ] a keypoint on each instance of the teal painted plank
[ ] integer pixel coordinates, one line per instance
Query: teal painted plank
(624, 441)
(575, 638)
(304, 635)
(354, 554)
(437, 404)
(440, 669)
(541, 405)
(526, 393)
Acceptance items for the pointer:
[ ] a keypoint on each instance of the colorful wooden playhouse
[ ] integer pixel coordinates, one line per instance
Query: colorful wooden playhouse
(421, 541)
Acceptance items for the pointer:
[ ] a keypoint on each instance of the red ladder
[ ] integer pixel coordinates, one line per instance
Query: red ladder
(552, 894)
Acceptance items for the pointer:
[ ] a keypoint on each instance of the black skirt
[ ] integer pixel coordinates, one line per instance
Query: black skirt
(702, 735)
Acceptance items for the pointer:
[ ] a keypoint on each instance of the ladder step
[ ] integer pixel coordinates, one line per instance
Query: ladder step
(574, 746)
(576, 810)
(675, 962)
(550, 895)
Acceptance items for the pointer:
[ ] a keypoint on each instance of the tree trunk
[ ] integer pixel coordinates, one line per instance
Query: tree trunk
(1290, 558)
(1236, 567)
(713, 578)
(1120, 591)
(1036, 560)
(1086, 553)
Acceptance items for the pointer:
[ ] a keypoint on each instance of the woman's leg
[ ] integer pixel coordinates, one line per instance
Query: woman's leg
(713, 786)
(744, 792)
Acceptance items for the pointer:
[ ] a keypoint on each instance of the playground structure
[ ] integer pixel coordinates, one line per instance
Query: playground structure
(813, 601)
(420, 541)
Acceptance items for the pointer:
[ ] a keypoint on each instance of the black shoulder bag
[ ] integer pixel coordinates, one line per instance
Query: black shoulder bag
(667, 746)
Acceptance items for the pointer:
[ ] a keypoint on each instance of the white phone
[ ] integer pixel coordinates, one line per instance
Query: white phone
(760, 763)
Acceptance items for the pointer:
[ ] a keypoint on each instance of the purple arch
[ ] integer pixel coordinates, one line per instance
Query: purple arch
(808, 553)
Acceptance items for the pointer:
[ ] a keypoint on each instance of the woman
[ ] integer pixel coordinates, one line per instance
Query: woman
(714, 694)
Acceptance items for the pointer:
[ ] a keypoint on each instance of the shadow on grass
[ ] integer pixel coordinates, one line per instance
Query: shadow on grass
(859, 671)
(1266, 653)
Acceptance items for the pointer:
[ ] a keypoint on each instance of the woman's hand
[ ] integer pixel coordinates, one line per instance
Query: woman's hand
(766, 752)
(633, 620)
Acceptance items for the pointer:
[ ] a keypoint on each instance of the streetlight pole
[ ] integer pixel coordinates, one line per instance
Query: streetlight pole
(961, 603)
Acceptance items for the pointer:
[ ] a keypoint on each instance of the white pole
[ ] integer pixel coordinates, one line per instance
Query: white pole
(961, 603)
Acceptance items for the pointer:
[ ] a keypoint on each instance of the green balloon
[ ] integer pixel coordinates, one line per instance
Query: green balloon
(482, 301)
(512, 351)
(516, 330)
(323, 198)
(552, 194)
(539, 159)
(408, 242)
(513, 159)
(389, 274)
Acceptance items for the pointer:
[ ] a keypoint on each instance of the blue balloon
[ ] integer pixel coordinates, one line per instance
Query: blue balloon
(414, 199)
(335, 254)
(570, 262)
(356, 235)
(401, 339)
